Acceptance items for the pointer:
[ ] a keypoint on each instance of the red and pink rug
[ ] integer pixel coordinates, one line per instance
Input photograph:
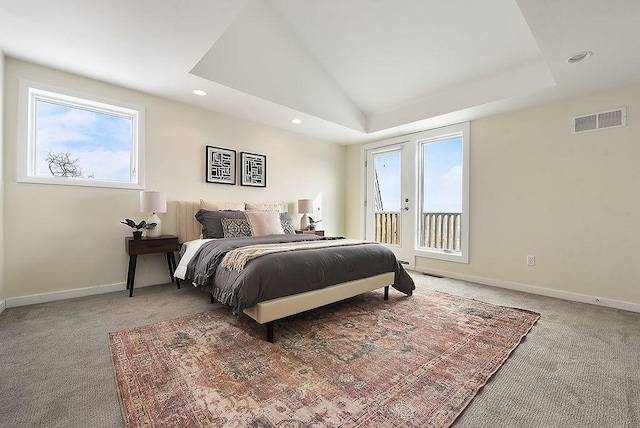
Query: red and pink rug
(411, 361)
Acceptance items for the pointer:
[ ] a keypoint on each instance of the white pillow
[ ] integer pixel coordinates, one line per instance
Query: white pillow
(263, 207)
(264, 222)
(221, 206)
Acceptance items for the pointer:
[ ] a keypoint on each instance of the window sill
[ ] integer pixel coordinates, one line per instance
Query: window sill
(79, 182)
(457, 257)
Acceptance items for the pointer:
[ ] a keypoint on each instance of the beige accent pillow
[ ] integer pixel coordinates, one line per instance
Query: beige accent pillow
(221, 206)
(264, 207)
(264, 222)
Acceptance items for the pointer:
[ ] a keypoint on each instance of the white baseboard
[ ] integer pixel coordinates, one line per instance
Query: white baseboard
(33, 299)
(13, 302)
(565, 295)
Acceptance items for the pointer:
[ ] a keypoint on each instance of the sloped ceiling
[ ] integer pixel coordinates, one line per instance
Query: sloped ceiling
(350, 70)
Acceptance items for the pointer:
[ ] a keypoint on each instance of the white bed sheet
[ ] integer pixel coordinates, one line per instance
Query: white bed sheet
(191, 248)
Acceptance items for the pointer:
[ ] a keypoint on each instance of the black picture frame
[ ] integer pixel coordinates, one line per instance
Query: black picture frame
(220, 165)
(253, 169)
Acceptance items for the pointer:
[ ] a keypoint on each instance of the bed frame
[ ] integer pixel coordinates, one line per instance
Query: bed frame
(269, 311)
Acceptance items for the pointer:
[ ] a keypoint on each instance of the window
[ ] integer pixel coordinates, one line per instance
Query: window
(387, 175)
(76, 139)
(443, 220)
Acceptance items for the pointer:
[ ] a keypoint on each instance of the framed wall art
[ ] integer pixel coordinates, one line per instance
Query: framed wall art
(253, 170)
(220, 165)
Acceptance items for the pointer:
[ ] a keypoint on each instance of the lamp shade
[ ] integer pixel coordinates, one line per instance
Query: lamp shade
(153, 202)
(305, 206)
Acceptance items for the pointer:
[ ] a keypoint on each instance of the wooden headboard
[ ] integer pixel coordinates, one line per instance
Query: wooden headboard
(188, 227)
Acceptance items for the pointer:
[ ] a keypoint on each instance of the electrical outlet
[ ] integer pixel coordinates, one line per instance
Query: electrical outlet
(531, 260)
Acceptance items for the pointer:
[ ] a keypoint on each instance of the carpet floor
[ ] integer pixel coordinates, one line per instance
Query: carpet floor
(578, 367)
(410, 361)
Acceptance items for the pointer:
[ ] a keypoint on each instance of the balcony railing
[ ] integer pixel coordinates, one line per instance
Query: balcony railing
(440, 230)
(387, 227)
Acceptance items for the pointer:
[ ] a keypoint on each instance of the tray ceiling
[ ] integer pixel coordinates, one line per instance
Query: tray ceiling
(350, 70)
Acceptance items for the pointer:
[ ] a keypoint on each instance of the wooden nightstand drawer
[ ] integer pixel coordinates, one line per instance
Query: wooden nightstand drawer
(310, 232)
(162, 244)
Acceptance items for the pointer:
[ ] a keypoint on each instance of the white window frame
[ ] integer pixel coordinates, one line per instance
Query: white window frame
(30, 92)
(440, 134)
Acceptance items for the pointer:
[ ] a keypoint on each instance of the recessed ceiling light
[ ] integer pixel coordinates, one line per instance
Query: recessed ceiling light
(200, 92)
(296, 121)
(580, 56)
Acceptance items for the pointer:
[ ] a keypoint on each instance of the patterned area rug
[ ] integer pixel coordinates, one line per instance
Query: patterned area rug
(411, 361)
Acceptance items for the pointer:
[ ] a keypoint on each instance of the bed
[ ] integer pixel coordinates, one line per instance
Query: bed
(229, 252)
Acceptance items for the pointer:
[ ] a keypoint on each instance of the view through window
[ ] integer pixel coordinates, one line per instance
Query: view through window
(81, 141)
(442, 193)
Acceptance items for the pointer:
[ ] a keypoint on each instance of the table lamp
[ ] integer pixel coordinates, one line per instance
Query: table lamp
(153, 202)
(305, 206)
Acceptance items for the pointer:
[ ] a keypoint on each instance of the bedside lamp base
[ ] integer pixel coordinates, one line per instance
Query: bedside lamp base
(304, 222)
(156, 231)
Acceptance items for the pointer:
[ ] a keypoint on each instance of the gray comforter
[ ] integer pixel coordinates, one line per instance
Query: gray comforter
(283, 274)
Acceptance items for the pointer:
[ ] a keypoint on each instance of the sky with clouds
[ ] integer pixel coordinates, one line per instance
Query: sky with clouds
(442, 187)
(101, 142)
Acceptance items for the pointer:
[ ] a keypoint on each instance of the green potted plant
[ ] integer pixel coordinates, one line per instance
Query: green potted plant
(138, 228)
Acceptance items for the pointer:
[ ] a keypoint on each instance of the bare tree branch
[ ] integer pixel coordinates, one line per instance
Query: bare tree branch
(61, 165)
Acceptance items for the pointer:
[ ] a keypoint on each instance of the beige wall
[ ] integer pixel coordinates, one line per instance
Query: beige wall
(572, 201)
(2, 241)
(63, 238)
(354, 204)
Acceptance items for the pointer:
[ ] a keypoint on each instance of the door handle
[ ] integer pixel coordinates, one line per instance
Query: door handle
(406, 208)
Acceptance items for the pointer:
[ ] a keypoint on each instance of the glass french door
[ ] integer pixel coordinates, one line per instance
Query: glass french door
(417, 194)
(389, 204)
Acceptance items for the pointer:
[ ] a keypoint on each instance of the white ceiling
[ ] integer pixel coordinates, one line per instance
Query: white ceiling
(351, 70)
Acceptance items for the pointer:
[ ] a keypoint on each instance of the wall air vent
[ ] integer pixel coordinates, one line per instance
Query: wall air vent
(598, 121)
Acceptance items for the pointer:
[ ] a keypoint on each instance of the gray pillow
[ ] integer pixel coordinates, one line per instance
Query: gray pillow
(211, 221)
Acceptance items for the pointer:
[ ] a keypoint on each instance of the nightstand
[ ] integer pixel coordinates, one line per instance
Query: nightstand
(166, 244)
(310, 232)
